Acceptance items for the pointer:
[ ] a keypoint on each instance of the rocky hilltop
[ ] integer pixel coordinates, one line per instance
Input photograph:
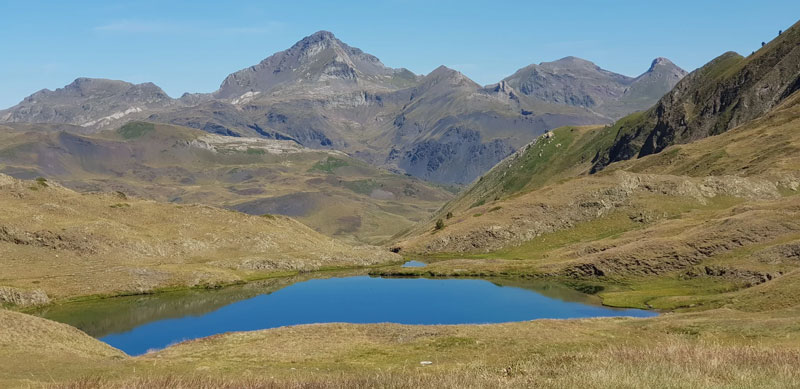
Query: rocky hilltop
(578, 82)
(89, 102)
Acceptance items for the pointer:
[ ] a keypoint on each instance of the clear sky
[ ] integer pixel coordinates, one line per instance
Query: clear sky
(192, 45)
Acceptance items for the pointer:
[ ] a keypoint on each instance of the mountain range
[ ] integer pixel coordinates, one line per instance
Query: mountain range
(324, 94)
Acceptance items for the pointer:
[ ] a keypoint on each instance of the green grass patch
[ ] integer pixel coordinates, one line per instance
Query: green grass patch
(364, 187)
(478, 203)
(252, 151)
(135, 130)
(329, 165)
(450, 342)
(664, 292)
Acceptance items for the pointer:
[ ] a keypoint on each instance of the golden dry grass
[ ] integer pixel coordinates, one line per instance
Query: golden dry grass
(69, 244)
(722, 348)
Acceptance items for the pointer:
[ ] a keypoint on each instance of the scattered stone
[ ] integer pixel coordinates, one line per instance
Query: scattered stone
(426, 363)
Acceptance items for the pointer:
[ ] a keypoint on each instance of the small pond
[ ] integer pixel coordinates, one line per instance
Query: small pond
(138, 324)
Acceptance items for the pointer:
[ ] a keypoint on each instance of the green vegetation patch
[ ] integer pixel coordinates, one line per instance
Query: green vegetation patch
(478, 203)
(252, 151)
(664, 293)
(135, 130)
(364, 187)
(329, 165)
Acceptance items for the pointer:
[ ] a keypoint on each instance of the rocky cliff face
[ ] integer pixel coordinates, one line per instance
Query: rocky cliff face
(725, 93)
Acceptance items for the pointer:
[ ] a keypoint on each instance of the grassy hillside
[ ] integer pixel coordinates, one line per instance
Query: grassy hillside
(56, 243)
(329, 191)
(724, 94)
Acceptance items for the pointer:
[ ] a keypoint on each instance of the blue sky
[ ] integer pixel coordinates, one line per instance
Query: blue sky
(192, 45)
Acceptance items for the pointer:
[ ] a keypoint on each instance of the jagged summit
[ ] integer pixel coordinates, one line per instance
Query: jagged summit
(447, 76)
(317, 61)
(661, 61)
(320, 35)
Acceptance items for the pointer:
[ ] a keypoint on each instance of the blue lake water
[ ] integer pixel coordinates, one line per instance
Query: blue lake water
(414, 264)
(150, 323)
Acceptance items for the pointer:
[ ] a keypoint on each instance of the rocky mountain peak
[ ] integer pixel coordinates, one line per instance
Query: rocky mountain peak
(448, 76)
(664, 66)
(660, 61)
(84, 87)
(315, 61)
(320, 35)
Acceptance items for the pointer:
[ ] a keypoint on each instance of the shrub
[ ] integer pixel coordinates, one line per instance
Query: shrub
(439, 224)
(449, 215)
